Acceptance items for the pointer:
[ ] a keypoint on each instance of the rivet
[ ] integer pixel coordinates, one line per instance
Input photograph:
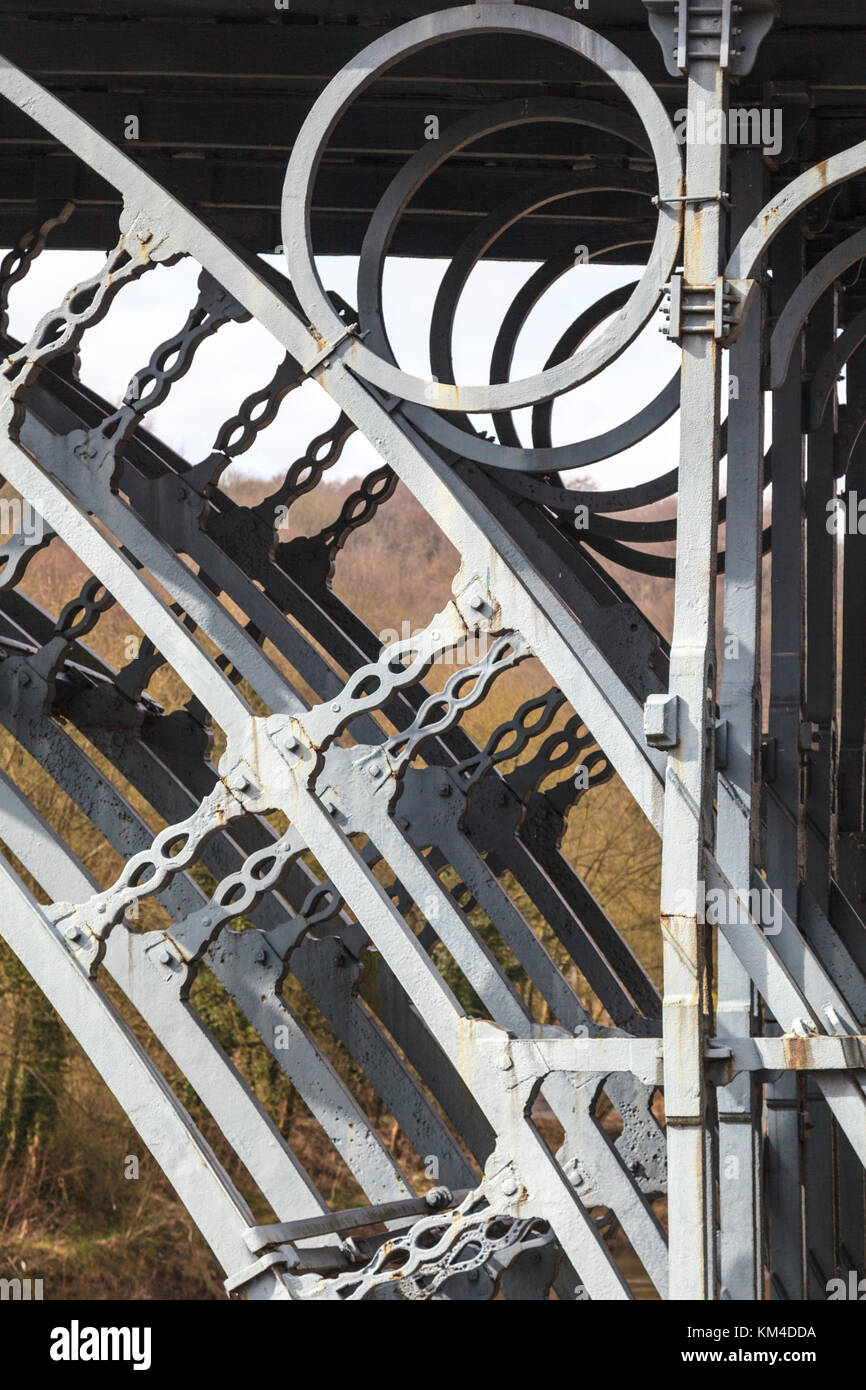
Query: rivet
(509, 1187)
(335, 709)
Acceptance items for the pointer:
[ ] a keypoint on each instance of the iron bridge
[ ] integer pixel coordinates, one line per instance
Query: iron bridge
(314, 810)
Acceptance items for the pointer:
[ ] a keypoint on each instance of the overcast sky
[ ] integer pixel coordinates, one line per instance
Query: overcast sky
(240, 358)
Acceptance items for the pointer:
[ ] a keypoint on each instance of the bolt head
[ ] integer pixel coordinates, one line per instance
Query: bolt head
(438, 1198)
(505, 1062)
(335, 709)
(165, 957)
(510, 1187)
(261, 957)
(476, 602)
(72, 933)
(240, 782)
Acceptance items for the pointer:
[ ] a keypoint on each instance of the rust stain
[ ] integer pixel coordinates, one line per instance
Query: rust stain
(797, 1051)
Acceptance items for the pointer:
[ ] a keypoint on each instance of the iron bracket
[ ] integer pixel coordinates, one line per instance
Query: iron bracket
(717, 310)
(661, 721)
(727, 32)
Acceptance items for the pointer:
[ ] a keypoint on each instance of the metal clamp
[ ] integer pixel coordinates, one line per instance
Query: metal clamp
(251, 1272)
(328, 350)
(719, 197)
(717, 310)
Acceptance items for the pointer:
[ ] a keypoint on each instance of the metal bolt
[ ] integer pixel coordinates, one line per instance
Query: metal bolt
(261, 957)
(339, 961)
(376, 771)
(510, 1187)
(505, 1062)
(438, 1198)
(181, 494)
(72, 933)
(445, 790)
(165, 957)
(239, 781)
(335, 709)
(476, 602)
(23, 677)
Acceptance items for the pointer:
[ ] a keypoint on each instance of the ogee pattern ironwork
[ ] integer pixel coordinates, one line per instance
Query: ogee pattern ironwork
(355, 835)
